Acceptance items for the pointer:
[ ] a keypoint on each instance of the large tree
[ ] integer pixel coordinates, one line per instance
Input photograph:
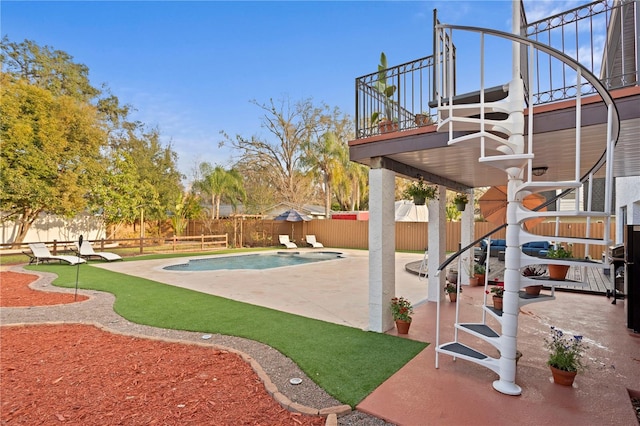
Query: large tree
(279, 154)
(50, 148)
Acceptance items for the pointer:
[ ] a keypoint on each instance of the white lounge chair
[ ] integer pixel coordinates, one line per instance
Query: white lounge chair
(86, 251)
(284, 240)
(40, 253)
(311, 240)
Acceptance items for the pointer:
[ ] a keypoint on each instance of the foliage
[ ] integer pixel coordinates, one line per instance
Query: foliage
(559, 252)
(349, 377)
(565, 353)
(218, 184)
(387, 91)
(498, 291)
(420, 189)
(451, 287)
(401, 309)
(533, 271)
(460, 198)
(479, 269)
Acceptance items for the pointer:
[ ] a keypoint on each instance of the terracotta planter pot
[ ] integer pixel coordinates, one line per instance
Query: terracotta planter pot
(473, 281)
(533, 290)
(453, 297)
(557, 272)
(561, 377)
(403, 326)
(386, 126)
(422, 120)
(497, 303)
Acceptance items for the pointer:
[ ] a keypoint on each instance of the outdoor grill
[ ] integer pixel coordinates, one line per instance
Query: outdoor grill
(615, 257)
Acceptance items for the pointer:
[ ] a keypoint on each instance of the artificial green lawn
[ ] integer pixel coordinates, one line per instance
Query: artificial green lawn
(347, 362)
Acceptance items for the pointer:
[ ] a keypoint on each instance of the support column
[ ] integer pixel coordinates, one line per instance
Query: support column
(467, 226)
(437, 244)
(382, 247)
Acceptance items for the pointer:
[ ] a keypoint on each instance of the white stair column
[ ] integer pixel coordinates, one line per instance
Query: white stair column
(511, 307)
(382, 246)
(437, 243)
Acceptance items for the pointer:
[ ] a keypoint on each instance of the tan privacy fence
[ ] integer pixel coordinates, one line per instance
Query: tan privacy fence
(355, 234)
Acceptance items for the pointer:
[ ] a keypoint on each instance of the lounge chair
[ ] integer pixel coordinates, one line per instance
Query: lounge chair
(86, 251)
(311, 240)
(40, 253)
(284, 240)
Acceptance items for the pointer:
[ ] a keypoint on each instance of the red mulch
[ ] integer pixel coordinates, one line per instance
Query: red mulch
(15, 292)
(81, 375)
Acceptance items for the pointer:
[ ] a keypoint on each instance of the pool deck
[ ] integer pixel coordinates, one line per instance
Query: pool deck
(458, 392)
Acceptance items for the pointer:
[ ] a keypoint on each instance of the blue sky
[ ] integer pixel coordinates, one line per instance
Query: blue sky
(191, 68)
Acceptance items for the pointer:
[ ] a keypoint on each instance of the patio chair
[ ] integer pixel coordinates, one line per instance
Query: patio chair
(86, 251)
(284, 240)
(311, 240)
(40, 253)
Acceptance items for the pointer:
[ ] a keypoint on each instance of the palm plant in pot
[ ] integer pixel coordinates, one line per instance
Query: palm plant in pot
(387, 122)
(565, 356)
(401, 310)
(420, 192)
(558, 272)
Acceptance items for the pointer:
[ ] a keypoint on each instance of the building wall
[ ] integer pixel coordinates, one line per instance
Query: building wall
(50, 227)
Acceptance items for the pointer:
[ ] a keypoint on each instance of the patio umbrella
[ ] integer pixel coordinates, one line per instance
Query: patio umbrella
(493, 206)
(292, 215)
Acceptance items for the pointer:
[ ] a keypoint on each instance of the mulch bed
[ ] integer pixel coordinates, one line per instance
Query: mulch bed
(81, 375)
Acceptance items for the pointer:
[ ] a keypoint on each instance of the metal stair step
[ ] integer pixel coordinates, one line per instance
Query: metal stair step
(506, 161)
(480, 329)
(542, 186)
(457, 348)
(491, 94)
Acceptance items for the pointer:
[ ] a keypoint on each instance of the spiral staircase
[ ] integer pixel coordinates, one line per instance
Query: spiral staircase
(497, 121)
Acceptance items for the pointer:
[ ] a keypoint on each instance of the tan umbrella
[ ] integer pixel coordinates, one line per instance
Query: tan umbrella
(493, 206)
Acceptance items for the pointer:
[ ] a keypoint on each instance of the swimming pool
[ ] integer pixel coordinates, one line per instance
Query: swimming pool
(255, 261)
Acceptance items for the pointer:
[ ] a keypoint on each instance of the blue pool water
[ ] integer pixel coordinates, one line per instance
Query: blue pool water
(255, 261)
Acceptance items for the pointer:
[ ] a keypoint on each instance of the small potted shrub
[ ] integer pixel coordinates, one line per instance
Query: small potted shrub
(423, 119)
(452, 290)
(498, 293)
(461, 201)
(533, 271)
(386, 120)
(565, 356)
(479, 272)
(558, 272)
(401, 310)
(420, 192)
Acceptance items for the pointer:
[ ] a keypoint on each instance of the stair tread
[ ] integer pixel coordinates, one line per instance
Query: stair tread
(491, 94)
(461, 349)
(482, 329)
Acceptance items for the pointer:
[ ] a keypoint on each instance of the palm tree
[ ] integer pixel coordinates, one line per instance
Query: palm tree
(218, 183)
(324, 157)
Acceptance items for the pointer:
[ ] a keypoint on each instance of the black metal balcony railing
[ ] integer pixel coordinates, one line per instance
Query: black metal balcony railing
(404, 106)
(599, 35)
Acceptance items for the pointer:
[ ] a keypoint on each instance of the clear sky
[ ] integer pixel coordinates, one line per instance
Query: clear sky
(190, 68)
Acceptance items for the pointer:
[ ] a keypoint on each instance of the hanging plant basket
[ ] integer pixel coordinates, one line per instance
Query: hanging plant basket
(461, 206)
(419, 201)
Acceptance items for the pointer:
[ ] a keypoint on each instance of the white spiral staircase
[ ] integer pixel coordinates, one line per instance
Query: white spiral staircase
(498, 128)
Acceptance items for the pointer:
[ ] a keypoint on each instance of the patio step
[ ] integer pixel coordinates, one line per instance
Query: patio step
(458, 350)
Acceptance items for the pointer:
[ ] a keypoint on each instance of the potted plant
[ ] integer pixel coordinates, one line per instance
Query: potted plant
(423, 119)
(420, 192)
(533, 271)
(387, 122)
(565, 356)
(461, 200)
(498, 293)
(401, 310)
(479, 272)
(558, 272)
(452, 290)
(452, 275)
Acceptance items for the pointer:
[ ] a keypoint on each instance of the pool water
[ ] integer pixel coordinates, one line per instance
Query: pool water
(255, 261)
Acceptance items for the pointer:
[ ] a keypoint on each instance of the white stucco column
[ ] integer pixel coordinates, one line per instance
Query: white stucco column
(382, 248)
(437, 244)
(467, 228)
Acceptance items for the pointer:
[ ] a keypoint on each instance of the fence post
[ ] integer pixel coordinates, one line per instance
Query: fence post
(174, 243)
(55, 247)
(141, 245)
(201, 241)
